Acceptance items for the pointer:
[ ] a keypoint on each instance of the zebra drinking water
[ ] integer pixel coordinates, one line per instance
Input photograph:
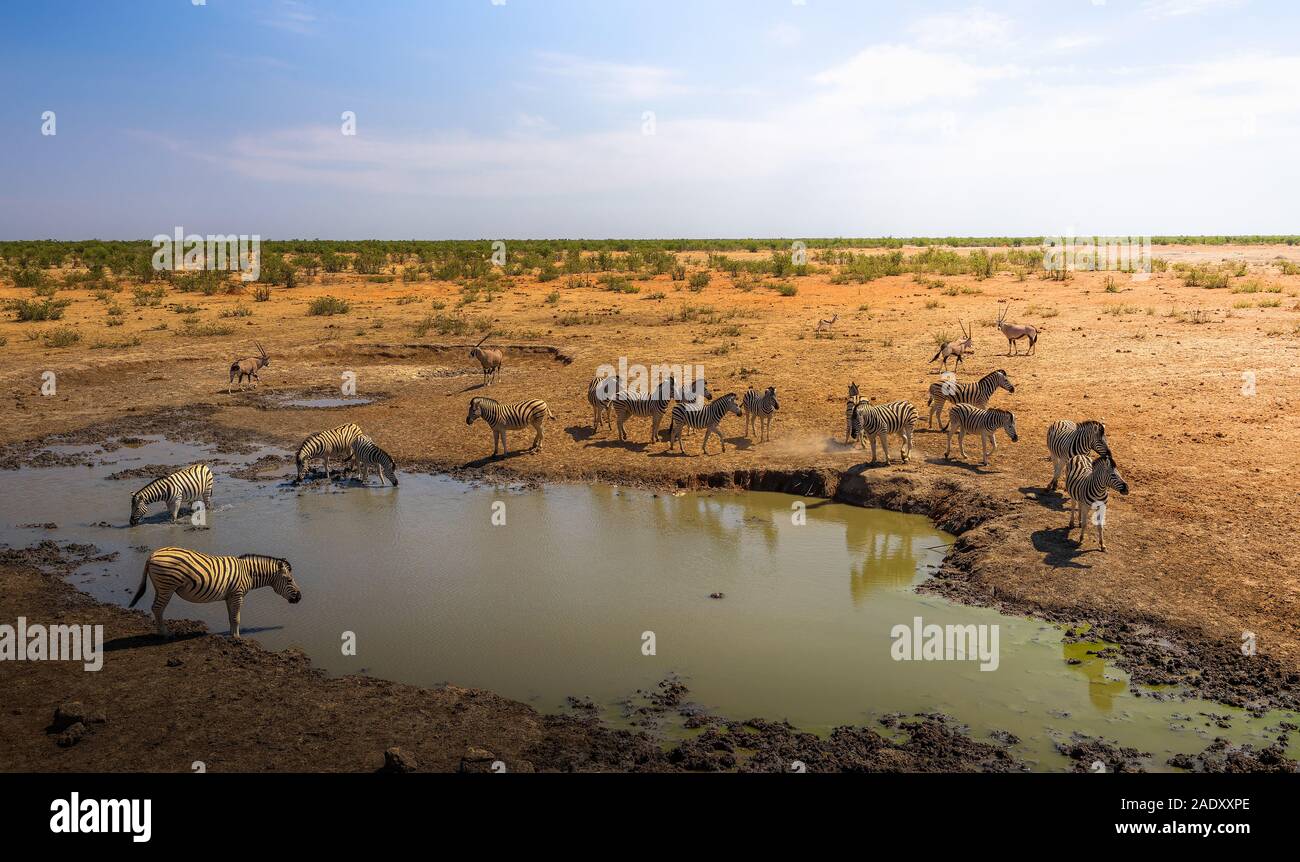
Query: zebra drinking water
(707, 417)
(201, 578)
(1088, 483)
(367, 455)
(1066, 439)
(896, 417)
(184, 486)
(509, 417)
(759, 409)
(977, 393)
(335, 443)
(984, 421)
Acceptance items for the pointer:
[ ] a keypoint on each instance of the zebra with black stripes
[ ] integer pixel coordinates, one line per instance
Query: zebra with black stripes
(850, 410)
(879, 421)
(977, 393)
(187, 485)
(654, 407)
(509, 417)
(759, 410)
(1088, 482)
(367, 456)
(707, 417)
(1066, 439)
(202, 578)
(985, 421)
(335, 443)
(601, 392)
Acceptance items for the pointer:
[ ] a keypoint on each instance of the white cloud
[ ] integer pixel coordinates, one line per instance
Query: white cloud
(614, 81)
(293, 16)
(972, 29)
(1178, 8)
(895, 76)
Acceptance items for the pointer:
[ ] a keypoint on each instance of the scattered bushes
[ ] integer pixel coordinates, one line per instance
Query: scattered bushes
(328, 306)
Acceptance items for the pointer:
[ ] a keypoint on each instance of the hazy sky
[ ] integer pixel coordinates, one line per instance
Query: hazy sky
(559, 118)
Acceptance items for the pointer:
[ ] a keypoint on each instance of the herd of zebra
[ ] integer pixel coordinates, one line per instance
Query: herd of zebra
(203, 578)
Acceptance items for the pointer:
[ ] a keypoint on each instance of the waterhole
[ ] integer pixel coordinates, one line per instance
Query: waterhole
(542, 594)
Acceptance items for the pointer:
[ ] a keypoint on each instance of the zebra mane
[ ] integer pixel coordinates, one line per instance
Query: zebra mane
(264, 558)
(151, 486)
(1091, 423)
(482, 399)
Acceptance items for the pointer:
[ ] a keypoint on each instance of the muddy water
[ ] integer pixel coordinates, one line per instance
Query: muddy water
(555, 601)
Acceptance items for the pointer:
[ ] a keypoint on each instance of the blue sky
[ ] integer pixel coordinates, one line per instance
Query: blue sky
(561, 118)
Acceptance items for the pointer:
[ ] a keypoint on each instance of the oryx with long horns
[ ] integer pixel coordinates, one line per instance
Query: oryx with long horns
(1014, 332)
(248, 368)
(490, 358)
(956, 349)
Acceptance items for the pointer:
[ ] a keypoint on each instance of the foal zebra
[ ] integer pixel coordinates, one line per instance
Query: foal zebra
(706, 417)
(759, 410)
(202, 578)
(1088, 483)
(367, 455)
(509, 417)
(1065, 439)
(655, 406)
(184, 486)
(335, 443)
(601, 392)
(850, 407)
(984, 421)
(977, 393)
(896, 417)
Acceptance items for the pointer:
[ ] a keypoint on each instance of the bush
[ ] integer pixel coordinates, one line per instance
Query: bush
(45, 309)
(64, 336)
(328, 306)
(699, 281)
(262, 293)
(145, 296)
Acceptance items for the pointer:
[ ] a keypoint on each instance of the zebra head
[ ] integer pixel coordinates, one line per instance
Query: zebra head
(138, 508)
(284, 584)
(729, 404)
(1100, 445)
(301, 461)
(389, 466)
(1111, 471)
(853, 391)
(771, 394)
(475, 411)
(1009, 422)
(1002, 380)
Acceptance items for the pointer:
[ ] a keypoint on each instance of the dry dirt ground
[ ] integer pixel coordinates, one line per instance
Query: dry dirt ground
(1197, 555)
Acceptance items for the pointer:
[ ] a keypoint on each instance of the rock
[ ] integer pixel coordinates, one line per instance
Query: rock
(477, 760)
(174, 662)
(67, 714)
(717, 595)
(72, 735)
(396, 760)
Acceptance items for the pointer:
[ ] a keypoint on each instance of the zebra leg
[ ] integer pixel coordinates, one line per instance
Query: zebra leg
(160, 600)
(174, 505)
(961, 441)
(947, 453)
(233, 603)
(537, 441)
(1100, 540)
(884, 445)
(984, 448)
(722, 441)
(1056, 474)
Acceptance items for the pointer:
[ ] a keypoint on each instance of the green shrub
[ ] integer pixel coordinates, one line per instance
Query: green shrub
(45, 309)
(328, 306)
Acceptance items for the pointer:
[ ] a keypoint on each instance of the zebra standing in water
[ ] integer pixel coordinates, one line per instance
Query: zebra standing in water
(367, 455)
(601, 392)
(850, 410)
(977, 393)
(201, 578)
(1065, 439)
(896, 417)
(706, 417)
(184, 486)
(759, 410)
(335, 443)
(509, 417)
(984, 421)
(655, 406)
(1088, 483)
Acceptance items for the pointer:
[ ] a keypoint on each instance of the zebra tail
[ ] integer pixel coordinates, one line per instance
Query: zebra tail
(144, 579)
(548, 411)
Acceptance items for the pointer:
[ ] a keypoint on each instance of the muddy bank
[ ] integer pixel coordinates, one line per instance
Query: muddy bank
(235, 706)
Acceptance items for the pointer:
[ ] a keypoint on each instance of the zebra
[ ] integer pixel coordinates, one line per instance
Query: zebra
(1065, 439)
(202, 578)
(186, 485)
(977, 393)
(336, 443)
(850, 407)
(896, 417)
(367, 455)
(984, 420)
(759, 410)
(655, 406)
(601, 392)
(707, 417)
(1088, 483)
(509, 417)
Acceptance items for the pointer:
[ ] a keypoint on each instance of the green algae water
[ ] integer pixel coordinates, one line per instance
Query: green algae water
(545, 594)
